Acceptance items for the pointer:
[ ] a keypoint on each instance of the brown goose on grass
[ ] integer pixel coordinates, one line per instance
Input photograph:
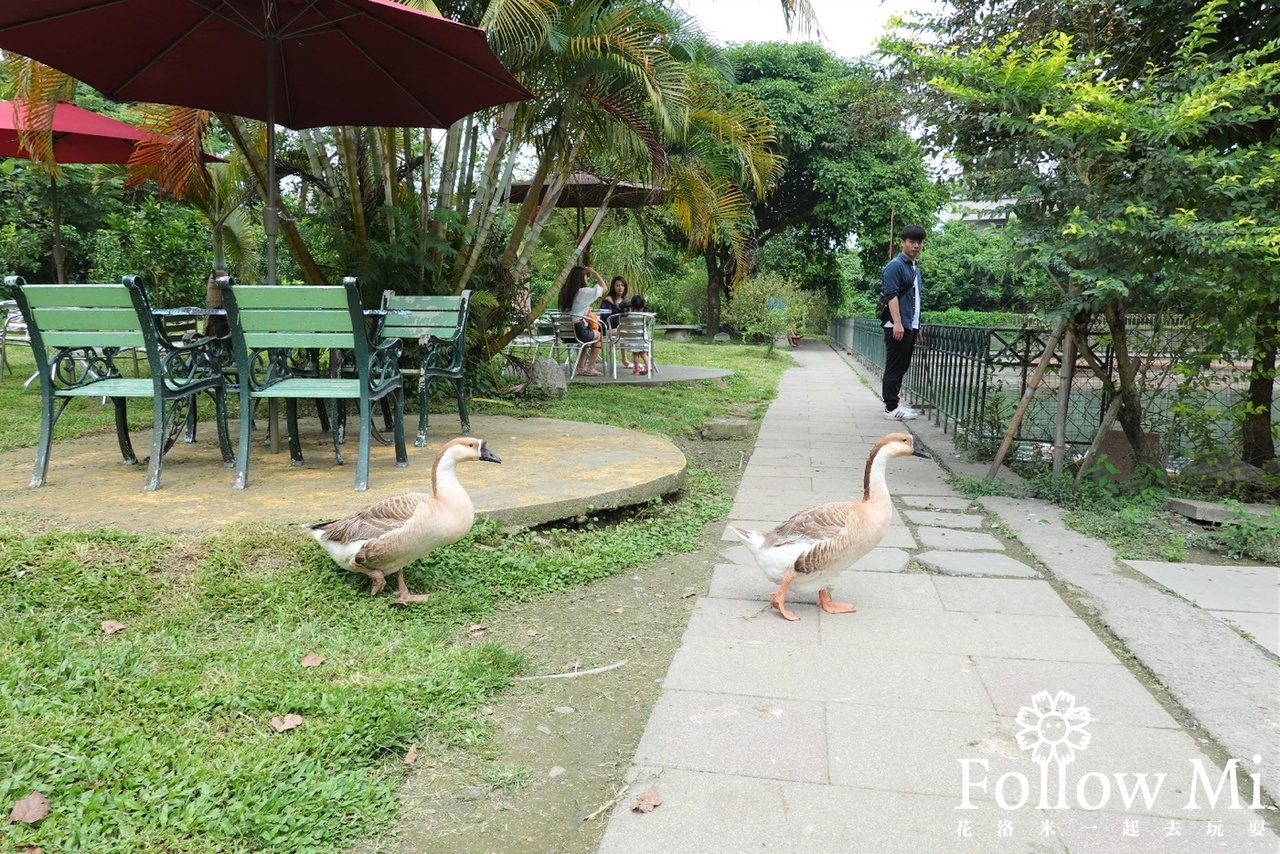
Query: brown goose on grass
(390, 534)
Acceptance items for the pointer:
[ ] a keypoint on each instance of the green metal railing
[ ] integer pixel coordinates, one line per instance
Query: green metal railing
(969, 380)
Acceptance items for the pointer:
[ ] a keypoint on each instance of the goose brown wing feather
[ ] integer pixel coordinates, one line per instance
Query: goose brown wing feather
(376, 520)
(820, 522)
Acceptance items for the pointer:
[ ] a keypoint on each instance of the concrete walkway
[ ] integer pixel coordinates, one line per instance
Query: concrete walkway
(909, 726)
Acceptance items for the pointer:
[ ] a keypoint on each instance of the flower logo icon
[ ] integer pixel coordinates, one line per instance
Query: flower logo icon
(1053, 728)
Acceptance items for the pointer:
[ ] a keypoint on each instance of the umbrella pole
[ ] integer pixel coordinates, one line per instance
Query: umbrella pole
(270, 216)
(270, 220)
(59, 251)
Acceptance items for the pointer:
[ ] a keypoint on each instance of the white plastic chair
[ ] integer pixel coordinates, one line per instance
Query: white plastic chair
(634, 335)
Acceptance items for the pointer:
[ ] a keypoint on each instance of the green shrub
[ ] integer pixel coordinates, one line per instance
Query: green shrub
(767, 307)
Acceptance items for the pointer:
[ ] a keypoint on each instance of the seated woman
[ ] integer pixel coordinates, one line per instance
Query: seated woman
(613, 306)
(576, 297)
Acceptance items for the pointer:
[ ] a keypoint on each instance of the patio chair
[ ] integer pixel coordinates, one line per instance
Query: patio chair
(14, 331)
(567, 341)
(634, 335)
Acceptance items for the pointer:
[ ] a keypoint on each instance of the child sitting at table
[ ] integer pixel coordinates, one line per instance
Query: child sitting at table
(637, 304)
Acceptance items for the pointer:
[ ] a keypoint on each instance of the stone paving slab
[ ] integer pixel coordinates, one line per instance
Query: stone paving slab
(1000, 596)
(1218, 588)
(935, 502)
(935, 519)
(854, 675)
(975, 563)
(949, 540)
(1109, 691)
(700, 731)
(1263, 628)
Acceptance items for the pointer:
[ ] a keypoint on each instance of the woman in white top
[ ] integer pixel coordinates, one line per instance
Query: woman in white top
(576, 297)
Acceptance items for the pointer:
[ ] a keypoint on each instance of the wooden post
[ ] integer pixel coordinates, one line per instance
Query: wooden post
(1032, 383)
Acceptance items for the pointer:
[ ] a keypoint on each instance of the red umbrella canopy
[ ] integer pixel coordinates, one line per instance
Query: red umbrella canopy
(79, 135)
(299, 63)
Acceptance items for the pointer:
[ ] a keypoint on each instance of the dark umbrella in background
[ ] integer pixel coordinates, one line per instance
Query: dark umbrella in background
(299, 63)
(79, 136)
(588, 190)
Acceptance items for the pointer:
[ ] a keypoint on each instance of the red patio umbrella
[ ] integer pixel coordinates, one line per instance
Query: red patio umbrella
(301, 63)
(79, 136)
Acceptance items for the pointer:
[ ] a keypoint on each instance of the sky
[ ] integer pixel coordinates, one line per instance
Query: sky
(850, 27)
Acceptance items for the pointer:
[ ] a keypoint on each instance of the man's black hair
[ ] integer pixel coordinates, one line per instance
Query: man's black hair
(912, 232)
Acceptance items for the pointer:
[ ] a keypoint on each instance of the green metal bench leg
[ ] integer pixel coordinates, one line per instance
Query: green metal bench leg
(47, 419)
(246, 431)
(402, 456)
(462, 405)
(224, 434)
(159, 429)
(122, 431)
(424, 397)
(295, 444)
(362, 460)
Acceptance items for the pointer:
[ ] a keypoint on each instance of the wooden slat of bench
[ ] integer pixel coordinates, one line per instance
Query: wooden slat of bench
(88, 296)
(89, 338)
(421, 330)
(290, 296)
(62, 318)
(326, 320)
(113, 387)
(299, 340)
(308, 387)
(412, 302)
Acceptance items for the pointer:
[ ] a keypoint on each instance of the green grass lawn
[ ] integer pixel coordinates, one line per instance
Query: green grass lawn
(159, 737)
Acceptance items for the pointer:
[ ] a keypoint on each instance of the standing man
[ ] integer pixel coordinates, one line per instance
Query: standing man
(902, 287)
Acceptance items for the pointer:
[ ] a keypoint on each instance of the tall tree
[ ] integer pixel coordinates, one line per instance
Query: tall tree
(1121, 180)
(849, 163)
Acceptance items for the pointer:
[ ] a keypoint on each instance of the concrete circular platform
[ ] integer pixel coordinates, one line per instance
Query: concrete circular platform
(550, 470)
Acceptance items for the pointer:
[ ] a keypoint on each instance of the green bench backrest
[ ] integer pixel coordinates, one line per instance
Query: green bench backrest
(440, 317)
(84, 315)
(292, 316)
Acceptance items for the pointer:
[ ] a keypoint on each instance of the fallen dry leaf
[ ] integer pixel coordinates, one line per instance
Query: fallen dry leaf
(647, 800)
(110, 627)
(477, 628)
(291, 721)
(617, 610)
(30, 809)
(312, 660)
(412, 755)
(482, 547)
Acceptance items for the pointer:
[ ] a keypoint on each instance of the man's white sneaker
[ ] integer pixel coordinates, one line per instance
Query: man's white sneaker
(899, 414)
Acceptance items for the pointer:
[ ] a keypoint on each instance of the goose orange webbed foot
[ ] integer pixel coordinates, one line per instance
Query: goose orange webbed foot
(778, 601)
(825, 603)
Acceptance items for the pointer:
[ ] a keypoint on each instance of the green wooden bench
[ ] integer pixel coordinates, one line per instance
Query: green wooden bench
(439, 324)
(269, 322)
(78, 332)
